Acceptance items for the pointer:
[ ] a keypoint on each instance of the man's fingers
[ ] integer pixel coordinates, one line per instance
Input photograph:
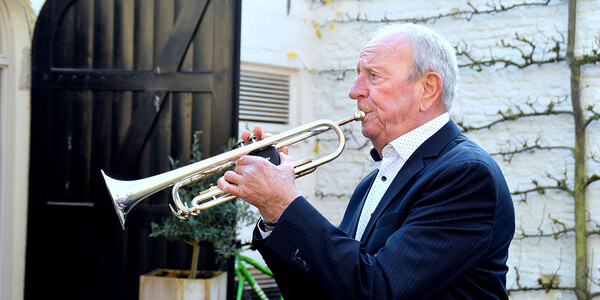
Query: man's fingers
(258, 132)
(285, 159)
(231, 177)
(247, 160)
(242, 161)
(284, 150)
(245, 135)
(226, 185)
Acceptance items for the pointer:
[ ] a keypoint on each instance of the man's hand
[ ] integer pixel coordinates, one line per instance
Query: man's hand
(268, 187)
(258, 135)
(257, 181)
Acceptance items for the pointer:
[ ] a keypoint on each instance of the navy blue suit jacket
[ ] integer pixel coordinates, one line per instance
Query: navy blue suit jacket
(441, 231)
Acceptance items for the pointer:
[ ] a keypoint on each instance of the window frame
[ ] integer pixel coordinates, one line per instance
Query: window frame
(293, 95)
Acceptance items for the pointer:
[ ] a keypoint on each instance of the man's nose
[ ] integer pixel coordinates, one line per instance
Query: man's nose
(359, 89)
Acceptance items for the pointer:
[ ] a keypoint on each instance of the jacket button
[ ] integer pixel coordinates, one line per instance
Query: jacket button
(294, 256)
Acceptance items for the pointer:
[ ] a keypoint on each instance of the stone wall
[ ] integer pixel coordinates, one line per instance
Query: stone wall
(325, 62)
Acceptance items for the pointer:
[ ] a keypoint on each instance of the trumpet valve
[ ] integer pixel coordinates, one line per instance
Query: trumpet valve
(211, 193)
(181, 213)
(240, 143)
(209, 189)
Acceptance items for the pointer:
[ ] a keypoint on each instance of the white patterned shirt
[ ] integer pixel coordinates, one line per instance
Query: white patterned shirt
(394, 155)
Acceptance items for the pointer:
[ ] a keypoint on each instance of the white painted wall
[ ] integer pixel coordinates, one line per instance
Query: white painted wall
(269, 34)
(36, 5)
(14, 145)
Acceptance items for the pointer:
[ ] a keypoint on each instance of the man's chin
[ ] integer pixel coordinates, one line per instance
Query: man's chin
(368, 132)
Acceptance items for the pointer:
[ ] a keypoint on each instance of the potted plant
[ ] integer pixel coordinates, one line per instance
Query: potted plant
(215, 228)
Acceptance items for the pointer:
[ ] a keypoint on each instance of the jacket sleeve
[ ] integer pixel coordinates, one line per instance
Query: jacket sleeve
(290, 274)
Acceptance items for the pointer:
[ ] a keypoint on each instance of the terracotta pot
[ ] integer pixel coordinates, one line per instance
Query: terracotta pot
(174, 284)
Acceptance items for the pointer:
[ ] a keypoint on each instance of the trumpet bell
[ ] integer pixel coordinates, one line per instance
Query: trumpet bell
(119, 202)
(126, 194)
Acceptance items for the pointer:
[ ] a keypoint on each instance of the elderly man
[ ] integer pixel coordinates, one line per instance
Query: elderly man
(434, 220)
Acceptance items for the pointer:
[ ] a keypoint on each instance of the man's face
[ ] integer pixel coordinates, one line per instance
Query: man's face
(383, 92)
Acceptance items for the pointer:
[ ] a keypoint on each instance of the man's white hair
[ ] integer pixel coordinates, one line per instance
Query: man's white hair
(431, 53)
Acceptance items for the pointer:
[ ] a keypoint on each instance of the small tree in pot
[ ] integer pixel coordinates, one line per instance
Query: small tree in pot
(217, 225)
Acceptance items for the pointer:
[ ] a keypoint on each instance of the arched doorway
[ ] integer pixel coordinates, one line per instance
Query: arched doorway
(15, 40)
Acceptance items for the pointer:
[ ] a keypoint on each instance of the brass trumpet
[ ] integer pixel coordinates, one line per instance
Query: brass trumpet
(127, 194)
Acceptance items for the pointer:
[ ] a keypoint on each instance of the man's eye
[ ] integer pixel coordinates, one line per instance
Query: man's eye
(373, 76)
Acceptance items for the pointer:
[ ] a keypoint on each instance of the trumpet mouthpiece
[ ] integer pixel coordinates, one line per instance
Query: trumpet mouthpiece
(359, 115)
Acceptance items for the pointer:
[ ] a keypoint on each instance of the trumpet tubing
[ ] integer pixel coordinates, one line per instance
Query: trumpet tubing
(199, 203)
(126, 194)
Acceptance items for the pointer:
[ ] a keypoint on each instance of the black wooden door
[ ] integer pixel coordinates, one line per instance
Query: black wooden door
(119, 85)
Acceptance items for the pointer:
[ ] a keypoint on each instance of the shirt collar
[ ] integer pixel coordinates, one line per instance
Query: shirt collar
(407, 144)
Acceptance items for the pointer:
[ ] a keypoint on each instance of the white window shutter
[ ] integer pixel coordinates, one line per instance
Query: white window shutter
(264, 97)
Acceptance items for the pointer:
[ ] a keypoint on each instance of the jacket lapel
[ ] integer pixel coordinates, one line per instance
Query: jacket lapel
(430, 148)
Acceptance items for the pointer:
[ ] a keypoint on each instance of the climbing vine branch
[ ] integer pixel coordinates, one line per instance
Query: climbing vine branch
(467, 13)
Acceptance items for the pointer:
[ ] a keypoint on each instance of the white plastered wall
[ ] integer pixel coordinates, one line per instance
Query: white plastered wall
(325, 72)
(14, 146)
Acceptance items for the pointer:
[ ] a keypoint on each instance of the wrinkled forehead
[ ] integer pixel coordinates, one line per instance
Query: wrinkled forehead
(391, 46)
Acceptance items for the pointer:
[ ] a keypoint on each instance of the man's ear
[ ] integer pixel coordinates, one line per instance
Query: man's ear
(431, 84)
